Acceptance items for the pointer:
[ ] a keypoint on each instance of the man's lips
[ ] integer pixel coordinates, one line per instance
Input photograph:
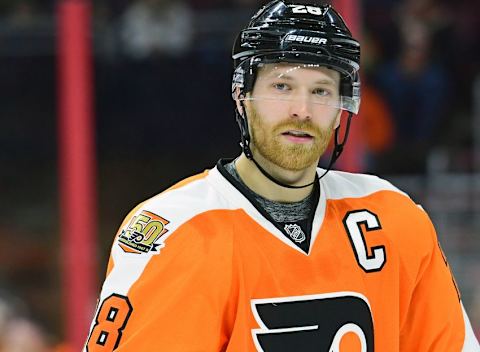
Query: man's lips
(297, 133)
(297, 136)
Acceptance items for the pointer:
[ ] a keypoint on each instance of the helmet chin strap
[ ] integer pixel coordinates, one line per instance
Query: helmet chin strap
(337, 150)
(271, 178)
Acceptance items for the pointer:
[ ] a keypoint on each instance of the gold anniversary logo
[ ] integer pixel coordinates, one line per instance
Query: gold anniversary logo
(142, 233)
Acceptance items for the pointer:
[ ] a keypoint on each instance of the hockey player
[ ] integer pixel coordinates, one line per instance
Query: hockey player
(267, 252)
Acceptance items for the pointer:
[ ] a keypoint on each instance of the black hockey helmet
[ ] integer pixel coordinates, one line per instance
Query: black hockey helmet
(303, 33)
(283, 31)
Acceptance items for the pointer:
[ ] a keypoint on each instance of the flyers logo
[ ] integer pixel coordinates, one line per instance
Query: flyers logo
(143, 233)
(334, 322)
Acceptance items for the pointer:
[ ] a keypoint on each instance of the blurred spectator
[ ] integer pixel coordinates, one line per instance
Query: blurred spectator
(378, 18)
(375, 118)
(429, 12)
(22, 335)
(156, 26)
(17, 332)
(376, 123)
(415, 87)
(463, 50)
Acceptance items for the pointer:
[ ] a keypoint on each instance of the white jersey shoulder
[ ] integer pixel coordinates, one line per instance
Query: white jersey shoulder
(340, 184)
(181, 203)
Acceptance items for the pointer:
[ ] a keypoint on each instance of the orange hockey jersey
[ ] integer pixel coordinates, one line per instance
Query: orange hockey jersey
(198, 268)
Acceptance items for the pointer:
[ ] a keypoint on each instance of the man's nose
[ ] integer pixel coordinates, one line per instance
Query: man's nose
(301, 108)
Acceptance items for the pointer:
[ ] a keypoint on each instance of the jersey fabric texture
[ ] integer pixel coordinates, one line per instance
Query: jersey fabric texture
(199, 268)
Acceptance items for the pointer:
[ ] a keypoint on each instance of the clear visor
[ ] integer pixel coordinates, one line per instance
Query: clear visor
(308, 83)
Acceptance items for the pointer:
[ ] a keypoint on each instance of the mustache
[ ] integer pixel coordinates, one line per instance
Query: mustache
(306, 126)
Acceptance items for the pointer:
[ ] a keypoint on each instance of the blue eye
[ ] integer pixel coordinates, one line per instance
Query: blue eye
(281, 86)
(321, 92)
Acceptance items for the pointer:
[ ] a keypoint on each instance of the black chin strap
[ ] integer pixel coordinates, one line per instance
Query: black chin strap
(271, 178)
(338, 149)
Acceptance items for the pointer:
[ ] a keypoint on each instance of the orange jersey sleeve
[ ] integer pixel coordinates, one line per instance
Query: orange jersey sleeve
(433, 317)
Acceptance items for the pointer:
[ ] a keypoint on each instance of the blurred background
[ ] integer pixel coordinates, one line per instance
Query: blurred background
(162, 107)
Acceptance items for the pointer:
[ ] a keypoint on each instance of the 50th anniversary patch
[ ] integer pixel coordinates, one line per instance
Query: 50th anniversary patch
(142, 233)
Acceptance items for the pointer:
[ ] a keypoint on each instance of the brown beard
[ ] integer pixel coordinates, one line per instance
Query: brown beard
(294, 157)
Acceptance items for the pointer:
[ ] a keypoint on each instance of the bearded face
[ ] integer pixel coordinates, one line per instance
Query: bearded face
(291, 144)
(292, 113)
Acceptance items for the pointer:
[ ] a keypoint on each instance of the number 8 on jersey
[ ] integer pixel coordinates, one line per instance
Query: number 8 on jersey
(110, 321)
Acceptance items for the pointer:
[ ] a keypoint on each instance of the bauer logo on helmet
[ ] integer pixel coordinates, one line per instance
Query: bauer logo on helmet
(305, 39)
